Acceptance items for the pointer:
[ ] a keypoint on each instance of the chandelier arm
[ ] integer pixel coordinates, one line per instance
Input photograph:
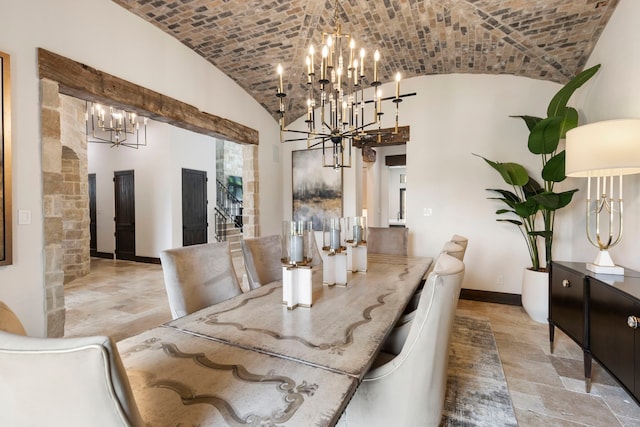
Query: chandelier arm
(319, 142)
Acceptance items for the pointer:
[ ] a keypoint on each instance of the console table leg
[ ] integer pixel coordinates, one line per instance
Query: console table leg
(552, 331)
(587, 372)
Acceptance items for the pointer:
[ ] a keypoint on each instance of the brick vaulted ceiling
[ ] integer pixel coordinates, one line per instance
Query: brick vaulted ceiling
(541, 39)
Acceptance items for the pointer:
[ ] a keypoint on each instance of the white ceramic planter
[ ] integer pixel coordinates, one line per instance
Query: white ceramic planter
(535, 295)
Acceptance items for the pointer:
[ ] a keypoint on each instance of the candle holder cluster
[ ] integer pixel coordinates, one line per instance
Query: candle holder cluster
(334, 255)
(356, 243)
(297, 256)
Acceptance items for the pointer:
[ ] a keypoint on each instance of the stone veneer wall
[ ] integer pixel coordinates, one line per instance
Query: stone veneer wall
(52, 206)
(76, 260)
(251, 201)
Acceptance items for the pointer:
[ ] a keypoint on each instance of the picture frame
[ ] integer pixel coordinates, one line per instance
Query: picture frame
(5, 161)
(316, 190)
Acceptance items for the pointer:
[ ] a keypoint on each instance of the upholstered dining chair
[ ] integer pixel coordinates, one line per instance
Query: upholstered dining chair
(461, 240)
(262, 259)
(64, 382)
(198, 276)
(408, 388)
(388, 241)
(454, 249)
(9, 322)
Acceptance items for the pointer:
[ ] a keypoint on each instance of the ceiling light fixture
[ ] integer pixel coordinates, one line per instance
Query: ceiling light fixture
(336, 88)
(108, 125)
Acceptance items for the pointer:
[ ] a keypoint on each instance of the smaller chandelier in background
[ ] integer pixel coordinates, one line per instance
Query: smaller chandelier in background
(108, 125)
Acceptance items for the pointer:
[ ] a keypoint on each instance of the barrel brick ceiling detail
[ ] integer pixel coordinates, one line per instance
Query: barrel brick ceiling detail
(246, 39)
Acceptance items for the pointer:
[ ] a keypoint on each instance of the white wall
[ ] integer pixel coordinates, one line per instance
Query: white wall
(614, 93)
(158, 185)
(141, 54)
(452, 117)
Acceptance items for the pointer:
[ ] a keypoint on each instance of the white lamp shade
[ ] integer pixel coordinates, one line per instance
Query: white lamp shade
(604, 148)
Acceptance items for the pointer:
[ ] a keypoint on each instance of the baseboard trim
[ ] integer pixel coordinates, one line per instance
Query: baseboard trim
(135, 258)
(146, 259)
(97, 254)
(489, 296)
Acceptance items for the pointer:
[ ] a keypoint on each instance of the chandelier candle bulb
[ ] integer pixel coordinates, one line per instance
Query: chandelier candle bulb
(281, 86)
(312, 52)
(352, 46)
(376, 58)
(397, 85)
(362, 62)
(355, 72)
(323, 65)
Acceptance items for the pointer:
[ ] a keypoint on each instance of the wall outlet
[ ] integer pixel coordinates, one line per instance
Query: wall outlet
(427, 211)
(500, 280)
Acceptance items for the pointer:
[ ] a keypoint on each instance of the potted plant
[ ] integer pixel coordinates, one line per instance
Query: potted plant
(532, 206)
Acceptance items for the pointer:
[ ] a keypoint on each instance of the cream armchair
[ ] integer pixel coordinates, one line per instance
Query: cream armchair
(64, 382)
(198, 276)
(408, 389)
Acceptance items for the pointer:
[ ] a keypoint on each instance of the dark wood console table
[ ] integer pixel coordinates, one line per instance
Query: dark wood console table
(601, 313)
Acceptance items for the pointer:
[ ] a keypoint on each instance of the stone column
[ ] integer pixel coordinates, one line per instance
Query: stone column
(52, 206)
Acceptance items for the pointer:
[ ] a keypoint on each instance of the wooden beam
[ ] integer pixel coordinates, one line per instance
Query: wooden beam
(384, 137)
(84, 82)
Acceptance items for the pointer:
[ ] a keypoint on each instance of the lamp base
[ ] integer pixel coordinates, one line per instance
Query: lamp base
(605, 269)
(604, 264)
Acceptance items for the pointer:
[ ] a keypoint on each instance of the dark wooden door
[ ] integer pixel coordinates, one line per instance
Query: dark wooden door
(194, 207)
(93, 234)
(125, 215)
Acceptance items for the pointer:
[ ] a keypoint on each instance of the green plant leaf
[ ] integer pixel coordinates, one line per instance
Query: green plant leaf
(560, 99)
(545, 136)
(554, 201)
(554, 170)
(530, 121)
(512, 221)
(508, 195)
(569, 121)
(528, 208)
(531, 188)
(512, 173)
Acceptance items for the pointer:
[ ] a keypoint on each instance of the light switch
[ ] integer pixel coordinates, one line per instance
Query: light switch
(24, 217)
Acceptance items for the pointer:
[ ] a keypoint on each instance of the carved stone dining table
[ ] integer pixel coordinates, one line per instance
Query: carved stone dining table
(251, 361)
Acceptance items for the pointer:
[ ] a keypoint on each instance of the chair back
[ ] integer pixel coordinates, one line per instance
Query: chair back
(409, 390)
(262, 259)
(388, 241)
(454, 249)
(64, 382)
(198, 276)
(461, 240)
(9, 322)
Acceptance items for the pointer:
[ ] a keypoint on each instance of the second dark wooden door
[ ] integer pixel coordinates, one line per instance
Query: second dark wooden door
(194, 207)
(125, 215)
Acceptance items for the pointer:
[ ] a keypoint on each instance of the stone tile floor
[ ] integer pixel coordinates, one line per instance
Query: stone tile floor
(122, 298)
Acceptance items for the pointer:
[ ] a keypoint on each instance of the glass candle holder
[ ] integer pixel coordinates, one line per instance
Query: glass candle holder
(356, 229)
(332, 234)
(296, 242)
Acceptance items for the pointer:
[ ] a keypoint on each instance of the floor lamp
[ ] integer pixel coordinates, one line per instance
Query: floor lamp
(605, 151)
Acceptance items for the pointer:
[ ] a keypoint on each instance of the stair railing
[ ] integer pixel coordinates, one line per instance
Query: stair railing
(228, 209)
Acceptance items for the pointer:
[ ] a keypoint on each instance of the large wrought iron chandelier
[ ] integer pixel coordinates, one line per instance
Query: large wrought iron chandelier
(108, 125)
(336, 90)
